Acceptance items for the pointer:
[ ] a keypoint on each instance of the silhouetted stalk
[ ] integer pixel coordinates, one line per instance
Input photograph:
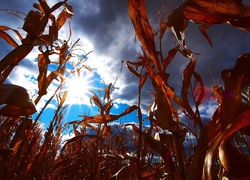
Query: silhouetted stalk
(59, 87)
(196, 169)
(181, 172)
(139, 170)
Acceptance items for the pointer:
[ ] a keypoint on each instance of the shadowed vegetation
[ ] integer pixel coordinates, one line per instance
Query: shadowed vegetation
(168, 148)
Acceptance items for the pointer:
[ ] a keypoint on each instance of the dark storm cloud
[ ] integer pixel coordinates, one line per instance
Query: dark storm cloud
(106, 24)
(102, 25)
(108, 27)
(228, 44)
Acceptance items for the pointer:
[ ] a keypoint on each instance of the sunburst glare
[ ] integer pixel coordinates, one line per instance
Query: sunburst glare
(78, 88)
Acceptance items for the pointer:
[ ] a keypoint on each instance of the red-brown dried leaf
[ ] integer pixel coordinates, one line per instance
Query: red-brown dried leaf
(32, 24)
(77, 138)
(47, 38)
(17, 100)
(137, 63)
(231, 158)
(106, 129)
(101, 118)
(149, 175)
(43, 61)
(45, 82)
(58, 5)
(44, 6)
(166, 139)
(200, 97)
(108, 118)
(13, 58)
(204, 33)
(169, 162)
(107, 92)
(129, 110)
(178, 24)
(156, 145)
(38, 7)
(186, 76)
(64, 15)
(143, 80)
(215, 12)
(242, 23)
(241, 122)
(131, 69)
(97, 101)
(170, 56)
(62, 99)
(7, 37)
(139, 17)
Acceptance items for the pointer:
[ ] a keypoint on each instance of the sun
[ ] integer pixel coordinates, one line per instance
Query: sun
(78, 88)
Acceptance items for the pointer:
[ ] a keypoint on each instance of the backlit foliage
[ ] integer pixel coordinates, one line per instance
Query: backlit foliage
(168, 148)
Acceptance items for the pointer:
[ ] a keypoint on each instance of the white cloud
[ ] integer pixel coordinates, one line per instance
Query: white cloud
(207, 109)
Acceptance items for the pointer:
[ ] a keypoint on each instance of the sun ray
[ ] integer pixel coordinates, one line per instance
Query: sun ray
(78, 87)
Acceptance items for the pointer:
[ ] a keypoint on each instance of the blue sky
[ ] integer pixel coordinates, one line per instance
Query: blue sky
(104, 27)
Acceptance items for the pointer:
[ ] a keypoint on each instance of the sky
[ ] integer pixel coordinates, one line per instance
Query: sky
(104, 27)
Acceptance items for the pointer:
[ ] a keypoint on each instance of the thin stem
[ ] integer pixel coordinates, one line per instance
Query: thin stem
(58, 88)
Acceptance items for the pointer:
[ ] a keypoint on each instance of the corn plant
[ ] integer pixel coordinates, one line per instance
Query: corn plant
(100, 150)
(232, 113)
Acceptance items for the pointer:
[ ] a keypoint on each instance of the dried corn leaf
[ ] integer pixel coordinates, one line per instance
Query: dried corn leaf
(44, 6)
(214, 11)
(14, 57)
(79, 137)
(97, 101)
(178, 24)
(106, 129)
(38, 7)
(236, 80)
(143, 80)
(204, 33)
(17, 101)
(200, 97)
(138, 15)
(129, 110)
(101, 118)
(45, 82)
(33, 23)
(163, 113)
(43, 61)
(107, 92)
(7, 37)
(108, 118)
(76, 132)
(149, 175)
(83, 124)
(156, 145)
(58, 5)
(66, 13)
(166, 139)
(48, 38)
(131, 69)
(242, 121)
(186, 76)
(62, 99)
(242, 23)
(230, 159)
(170, 56)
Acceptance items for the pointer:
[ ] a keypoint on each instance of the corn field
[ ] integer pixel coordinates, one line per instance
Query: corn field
(101, 150)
